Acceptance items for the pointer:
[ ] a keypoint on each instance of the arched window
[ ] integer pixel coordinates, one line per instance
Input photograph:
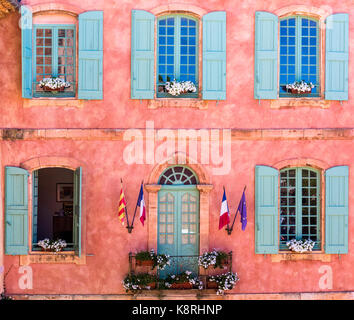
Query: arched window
(178, 175)
(177, 52)
(299, 54)
(299, 205)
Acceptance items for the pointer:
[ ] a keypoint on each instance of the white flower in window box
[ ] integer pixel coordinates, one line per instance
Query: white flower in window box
(300, 246)
(300, 87)
(53, 84)
(175, 88)
(52, 245)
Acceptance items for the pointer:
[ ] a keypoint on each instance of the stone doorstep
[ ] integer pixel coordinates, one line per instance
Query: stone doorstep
(193, 295)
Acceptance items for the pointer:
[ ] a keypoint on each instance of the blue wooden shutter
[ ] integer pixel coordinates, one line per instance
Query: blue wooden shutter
(266, 56)
(266, 220)
(26, 44)
(337, 43)
(77, 211)
(142, 55)
(336, 240)
(16, 211)
(91, 55)
(214, 56)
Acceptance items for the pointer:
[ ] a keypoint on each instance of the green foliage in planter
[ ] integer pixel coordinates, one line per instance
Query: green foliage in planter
(159, 260)
(181, 278)
(213, 258)
(221, 259)
(137, 282)
(225, 281)
(144, 256)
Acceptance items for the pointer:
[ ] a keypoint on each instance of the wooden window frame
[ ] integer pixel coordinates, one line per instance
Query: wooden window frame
(298, 215)
(54, 28)
(298, 54)
(177, 55)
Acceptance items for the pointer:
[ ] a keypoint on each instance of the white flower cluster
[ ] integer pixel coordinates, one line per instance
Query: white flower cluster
(300, 245)
(195, 282)
(176, 88)
(300, 86)
(225, 281)
(54, 83)
(161, 260)
(208, 259)
(52, 245)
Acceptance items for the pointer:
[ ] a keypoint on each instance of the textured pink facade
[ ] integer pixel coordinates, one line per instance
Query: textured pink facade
(271, 141)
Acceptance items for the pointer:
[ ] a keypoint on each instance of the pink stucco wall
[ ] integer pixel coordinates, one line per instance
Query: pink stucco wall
(105, 241)
(240, 110)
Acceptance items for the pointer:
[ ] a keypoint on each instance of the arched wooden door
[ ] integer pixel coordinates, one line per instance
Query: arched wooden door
(178, 220)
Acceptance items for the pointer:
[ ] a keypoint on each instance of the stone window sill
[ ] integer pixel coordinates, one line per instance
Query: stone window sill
(44, 257)
(300, 102)
(53, 102)
(177, 103)
(290, 256)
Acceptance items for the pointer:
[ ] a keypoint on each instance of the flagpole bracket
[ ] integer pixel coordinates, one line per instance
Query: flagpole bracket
(130, 229)
(229, 230)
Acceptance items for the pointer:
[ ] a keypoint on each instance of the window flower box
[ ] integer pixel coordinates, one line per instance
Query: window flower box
(216, 259)
(52, 245)
(223, 282)
(183, 285)
(138, 282)
(53, 85)
(300, 87)
(176, 88)
(151, 259)
(182, 281)
(300, 246)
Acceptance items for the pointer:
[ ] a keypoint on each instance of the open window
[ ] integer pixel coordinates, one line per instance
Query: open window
(176, 55)
(50, 52)
(56, 212)
(299, 214)
(288, 49)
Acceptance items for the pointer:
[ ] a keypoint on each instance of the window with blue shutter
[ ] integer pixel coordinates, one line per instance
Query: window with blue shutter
(299, 56)
(177, 55)
(50, 52)
(299, 215)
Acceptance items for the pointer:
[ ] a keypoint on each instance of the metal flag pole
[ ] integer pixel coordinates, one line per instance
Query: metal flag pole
(125, 210)
(229, 230)
(136, 207)
(227, 207)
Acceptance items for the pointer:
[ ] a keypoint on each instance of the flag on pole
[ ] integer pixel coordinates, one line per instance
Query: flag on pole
(243, 211)
(141, 205)
(122, 205)
(224, 213)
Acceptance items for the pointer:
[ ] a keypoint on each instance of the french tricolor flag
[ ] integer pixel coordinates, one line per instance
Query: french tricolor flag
(224, 212)
(141, 204)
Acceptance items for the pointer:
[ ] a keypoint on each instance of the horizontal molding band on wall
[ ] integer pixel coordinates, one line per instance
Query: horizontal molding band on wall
(236, 134)
(210, 295)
